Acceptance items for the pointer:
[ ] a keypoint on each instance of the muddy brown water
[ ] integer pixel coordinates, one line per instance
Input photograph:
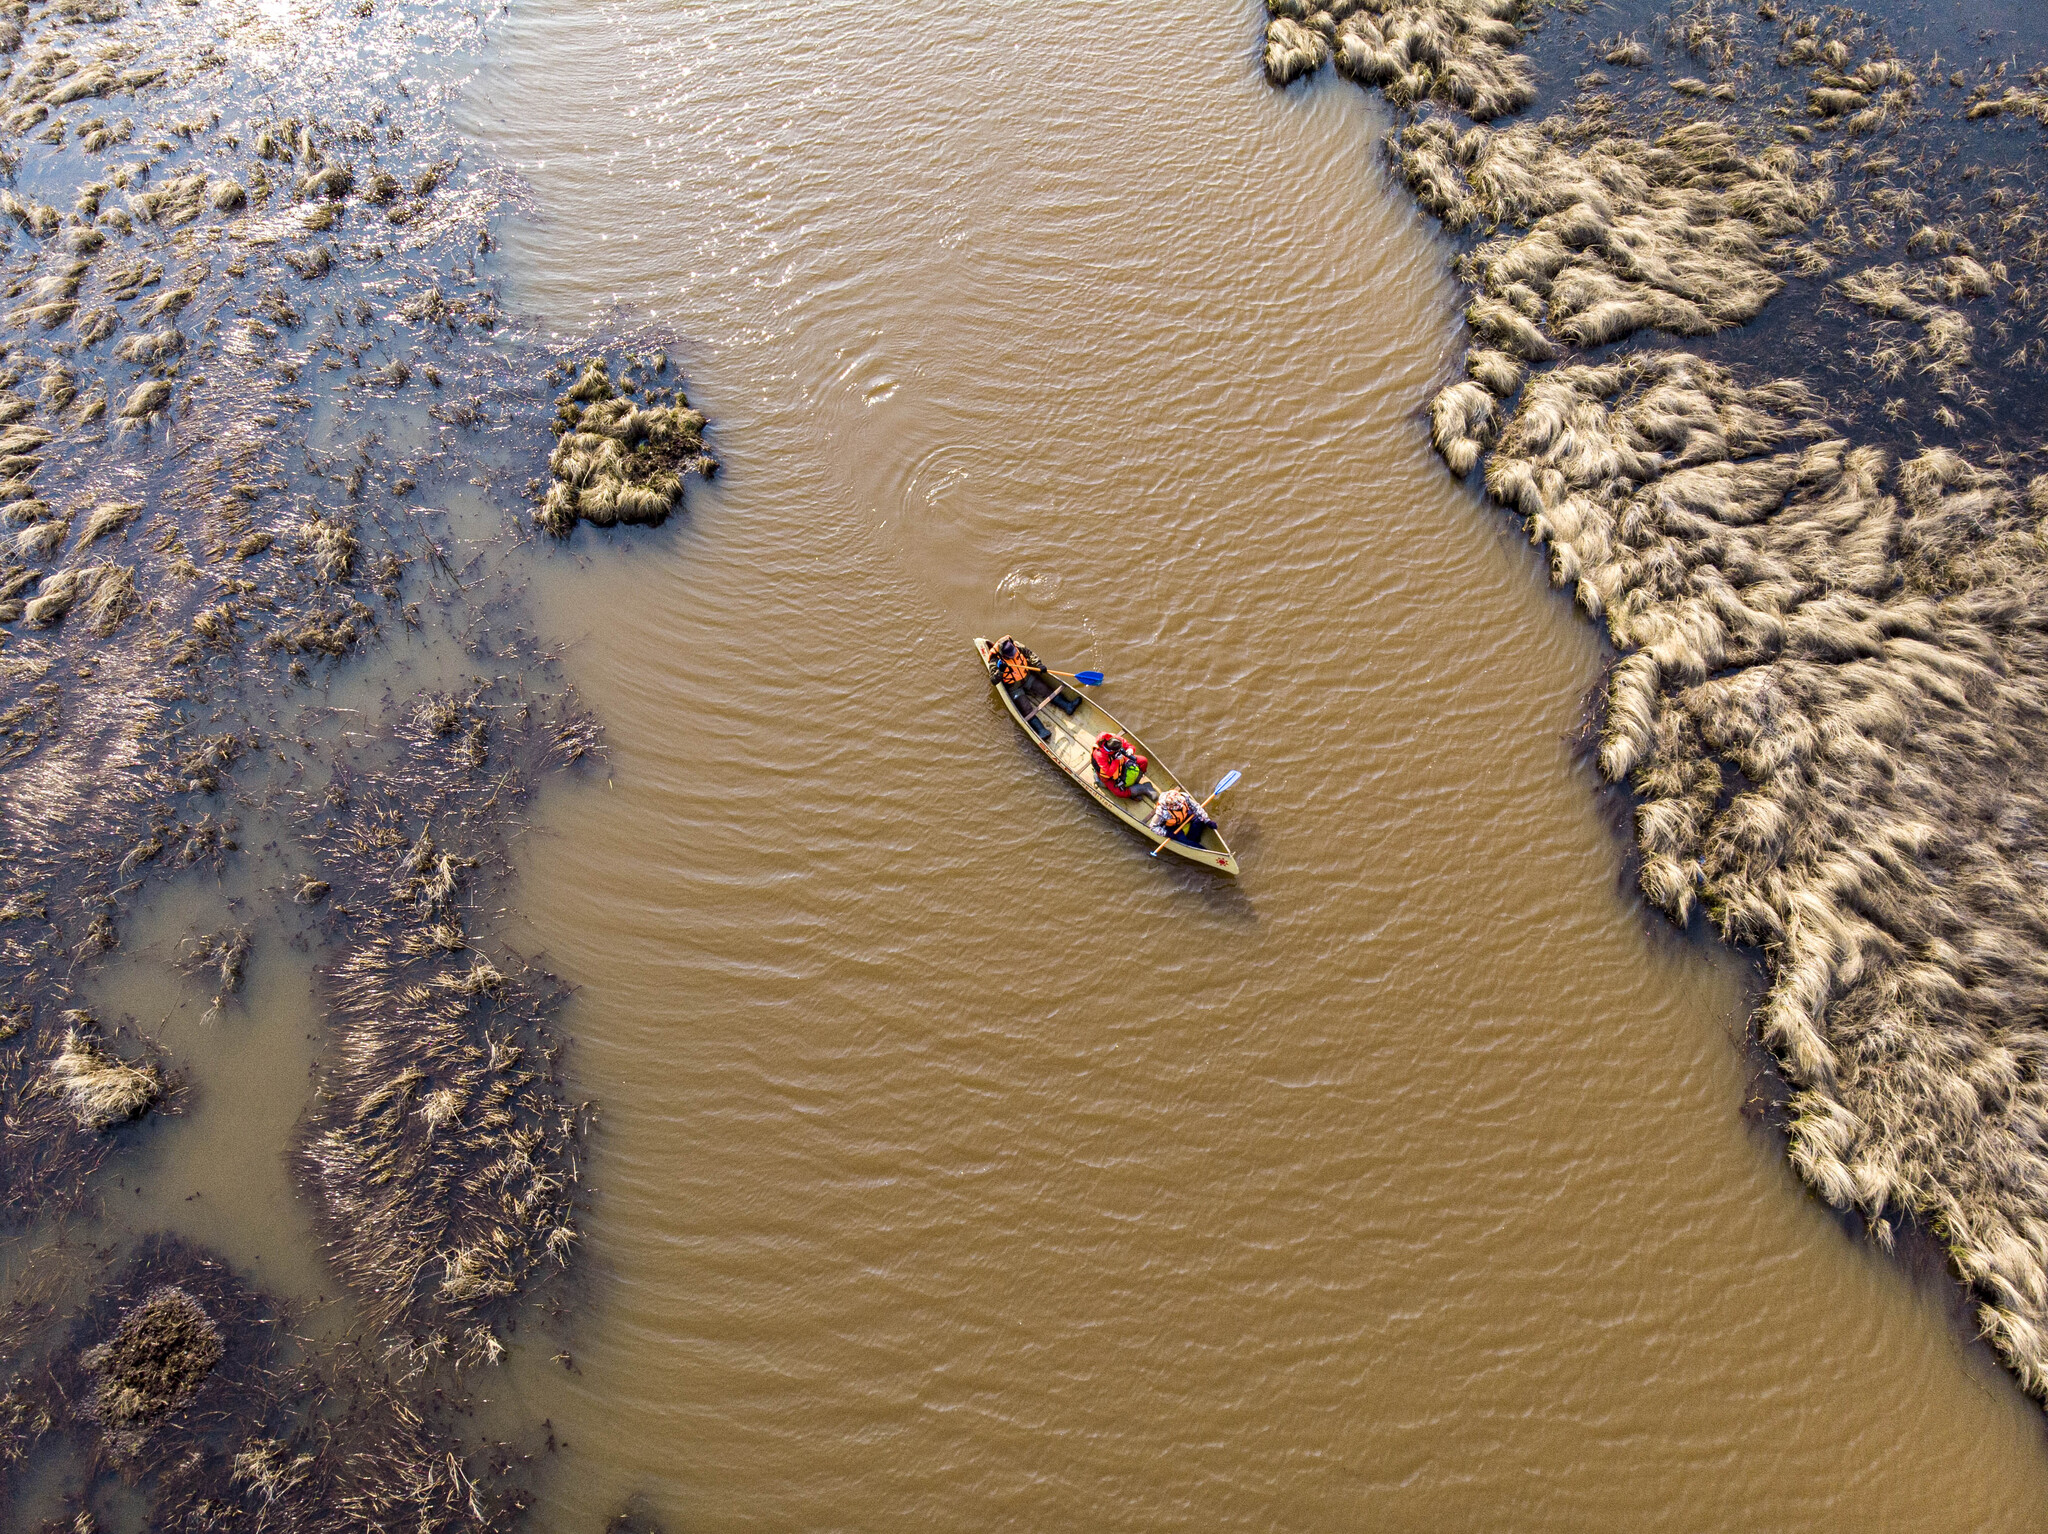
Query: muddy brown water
(960, 1166)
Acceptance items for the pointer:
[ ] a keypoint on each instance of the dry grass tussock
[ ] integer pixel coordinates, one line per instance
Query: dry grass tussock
(1832, 696)
(65, 1090)
(101, 1089)
(618, 461)
(1459, 53)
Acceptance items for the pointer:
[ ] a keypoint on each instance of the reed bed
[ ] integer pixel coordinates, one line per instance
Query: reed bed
(442, 1151)
(184, 553)
(1820, 558)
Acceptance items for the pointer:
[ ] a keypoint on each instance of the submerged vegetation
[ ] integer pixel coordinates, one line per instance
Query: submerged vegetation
(442, 1150)
(174, 1375)
(1817, 534)
(250, 358)
(156, 1360)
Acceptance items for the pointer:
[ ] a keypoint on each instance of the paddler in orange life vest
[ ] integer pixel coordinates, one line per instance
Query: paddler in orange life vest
(1026, 680)
(1120, 768)
(1179, 817)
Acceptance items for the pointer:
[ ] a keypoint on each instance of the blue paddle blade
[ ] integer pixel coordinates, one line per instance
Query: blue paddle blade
(1089, 678)
(1229, 778)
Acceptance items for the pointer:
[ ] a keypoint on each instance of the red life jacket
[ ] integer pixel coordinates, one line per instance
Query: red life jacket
(1116, 766)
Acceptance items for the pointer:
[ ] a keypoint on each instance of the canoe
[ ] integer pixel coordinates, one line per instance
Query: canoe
(1072, 746)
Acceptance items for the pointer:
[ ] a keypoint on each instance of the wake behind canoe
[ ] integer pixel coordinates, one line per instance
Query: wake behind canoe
(1069, 739)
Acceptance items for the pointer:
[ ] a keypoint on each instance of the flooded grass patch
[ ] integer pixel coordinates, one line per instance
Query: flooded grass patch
(266, 442)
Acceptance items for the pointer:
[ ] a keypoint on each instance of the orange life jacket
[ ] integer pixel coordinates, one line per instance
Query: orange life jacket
(1014, 668)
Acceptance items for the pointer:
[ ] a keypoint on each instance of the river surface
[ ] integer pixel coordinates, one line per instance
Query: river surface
(960, 1167)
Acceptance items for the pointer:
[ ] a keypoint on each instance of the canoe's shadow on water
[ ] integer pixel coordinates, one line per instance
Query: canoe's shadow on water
(1220, 896)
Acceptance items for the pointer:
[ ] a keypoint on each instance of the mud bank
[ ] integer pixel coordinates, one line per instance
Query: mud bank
(255, 393)
(1759, 326)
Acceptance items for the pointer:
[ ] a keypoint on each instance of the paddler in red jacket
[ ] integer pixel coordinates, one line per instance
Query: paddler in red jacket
(1120, 768)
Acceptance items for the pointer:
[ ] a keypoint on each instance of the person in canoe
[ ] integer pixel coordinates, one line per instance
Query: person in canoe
(1120, 769)
(1179, 817)
(1025, 678)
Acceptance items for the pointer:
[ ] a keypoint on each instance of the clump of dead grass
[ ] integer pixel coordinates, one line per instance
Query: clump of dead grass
(156, 1360)
(618, 461)
(1459, 53)
(99, 1088)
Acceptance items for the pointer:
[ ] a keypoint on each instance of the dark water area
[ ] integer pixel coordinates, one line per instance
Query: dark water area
(1934, 168)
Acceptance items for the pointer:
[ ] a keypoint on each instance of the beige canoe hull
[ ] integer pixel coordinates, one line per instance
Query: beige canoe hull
(1071, 748)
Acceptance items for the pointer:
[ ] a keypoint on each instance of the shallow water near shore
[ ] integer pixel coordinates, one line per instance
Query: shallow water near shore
(960, 1166)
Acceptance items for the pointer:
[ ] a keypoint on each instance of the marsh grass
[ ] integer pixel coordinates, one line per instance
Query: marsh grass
(442, 1150)
(1460, 53)
(618, 461)
(218, 323)
(1819, 553)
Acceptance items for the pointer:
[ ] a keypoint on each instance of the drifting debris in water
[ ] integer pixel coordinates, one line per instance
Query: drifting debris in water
(633, 1518)
(1832, 692)
(225, 953)
(618, 461)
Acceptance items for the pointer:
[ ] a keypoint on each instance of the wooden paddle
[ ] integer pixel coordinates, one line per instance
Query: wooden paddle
(1229, 778)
